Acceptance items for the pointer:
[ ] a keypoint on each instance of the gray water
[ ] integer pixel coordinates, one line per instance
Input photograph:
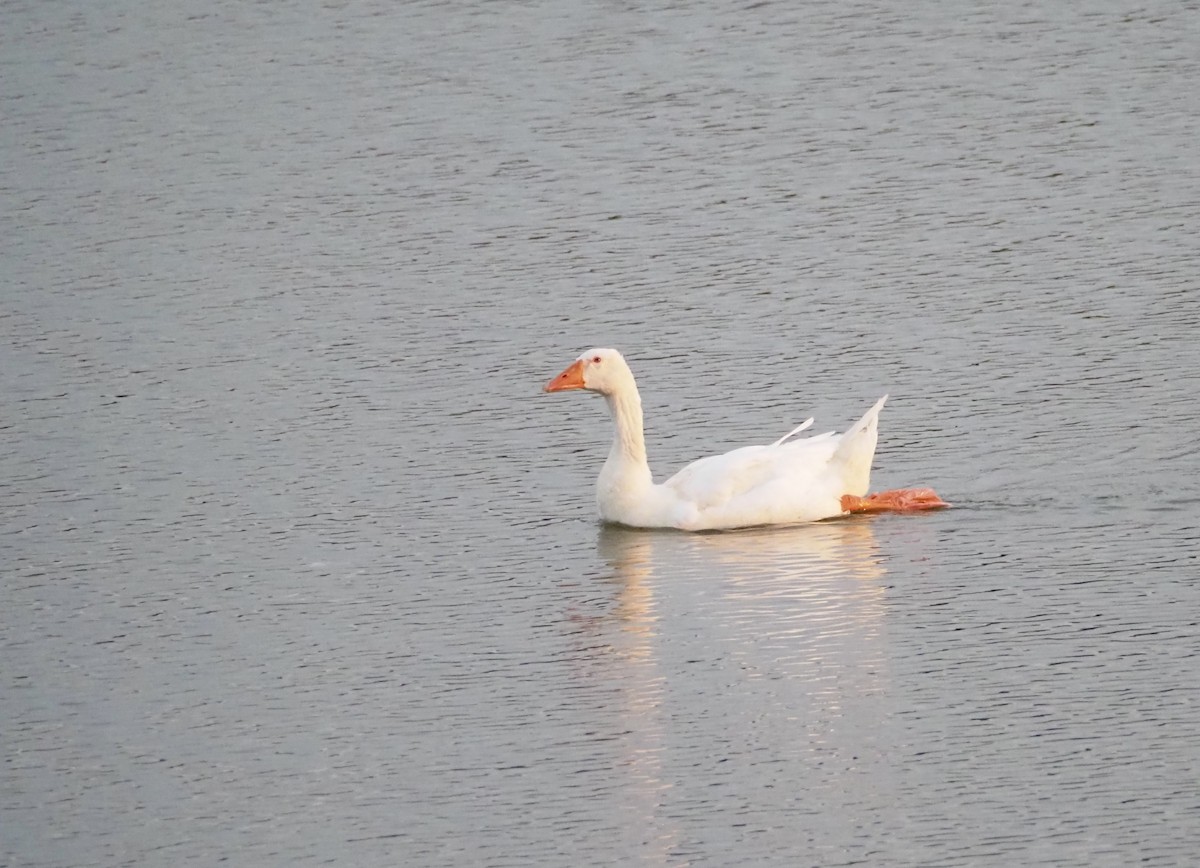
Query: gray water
(300, 567)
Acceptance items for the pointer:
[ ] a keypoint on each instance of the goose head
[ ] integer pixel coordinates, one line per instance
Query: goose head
(598, 370)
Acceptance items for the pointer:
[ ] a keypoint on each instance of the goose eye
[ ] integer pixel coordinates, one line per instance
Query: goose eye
(596, 360)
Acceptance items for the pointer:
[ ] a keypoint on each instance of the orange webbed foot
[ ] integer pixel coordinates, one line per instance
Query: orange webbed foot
(895, 500)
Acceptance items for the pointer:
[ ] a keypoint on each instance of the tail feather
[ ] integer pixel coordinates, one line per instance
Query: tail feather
(856, 450)
(801, 427)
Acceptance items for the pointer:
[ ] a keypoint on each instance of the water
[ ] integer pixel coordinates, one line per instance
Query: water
(300, 566)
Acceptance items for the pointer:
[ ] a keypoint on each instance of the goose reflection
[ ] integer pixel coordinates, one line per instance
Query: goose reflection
(828, 575)
(820, 580)
(804, 592)
(713, 642)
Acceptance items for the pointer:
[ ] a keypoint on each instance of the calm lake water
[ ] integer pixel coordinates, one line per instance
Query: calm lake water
(300, 567)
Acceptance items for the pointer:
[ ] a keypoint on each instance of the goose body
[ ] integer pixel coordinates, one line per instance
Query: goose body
(791, 480)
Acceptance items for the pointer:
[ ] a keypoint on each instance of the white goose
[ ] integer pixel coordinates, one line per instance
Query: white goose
(789, 481)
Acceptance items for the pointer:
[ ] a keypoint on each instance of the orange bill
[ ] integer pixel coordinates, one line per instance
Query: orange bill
(571, 378)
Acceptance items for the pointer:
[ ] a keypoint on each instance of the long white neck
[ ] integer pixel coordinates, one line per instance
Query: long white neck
(625, 483)
(629, 442)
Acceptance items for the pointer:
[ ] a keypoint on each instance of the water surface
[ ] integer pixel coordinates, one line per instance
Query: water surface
(301, 567)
